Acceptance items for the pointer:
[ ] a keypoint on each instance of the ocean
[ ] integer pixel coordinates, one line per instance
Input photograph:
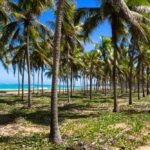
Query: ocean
(15, 86)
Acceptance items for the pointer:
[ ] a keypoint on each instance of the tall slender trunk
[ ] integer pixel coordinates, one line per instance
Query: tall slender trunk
(18, 82)
(105, 87)
(71, 83)
(38, 81)
(131, 55)
(42, 80)
(84, 84)
(147, 78)
(91, 82)
(59, 85)
(67, 76)
(23, 69)
(114, 41)
(28, 67)
(121, 86)
(74, 84)
(143, 81)
(126, 80)
(33, 81)
(87, 87)
(63, 86)
(55, 136)
(138, 77)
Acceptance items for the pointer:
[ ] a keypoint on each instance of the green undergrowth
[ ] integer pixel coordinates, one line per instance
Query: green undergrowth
(90, 122)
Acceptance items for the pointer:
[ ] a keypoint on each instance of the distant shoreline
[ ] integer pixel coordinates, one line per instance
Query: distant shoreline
(14, 87)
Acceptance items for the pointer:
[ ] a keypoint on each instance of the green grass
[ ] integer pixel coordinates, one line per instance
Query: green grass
(81, 121)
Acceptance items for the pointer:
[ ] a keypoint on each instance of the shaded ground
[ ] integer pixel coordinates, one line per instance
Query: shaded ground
(84, 124)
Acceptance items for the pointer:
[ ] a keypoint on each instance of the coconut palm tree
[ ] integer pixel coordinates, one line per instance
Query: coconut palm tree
(91, 60)
(55, 136)
(71, 40)
(106, 56)
(24, 23)
(118, 13)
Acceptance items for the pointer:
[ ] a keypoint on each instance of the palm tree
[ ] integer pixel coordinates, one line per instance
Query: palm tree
(106, 56)
(55, 136)
(25, 23)
(91, 60)
(118, 13)
(70, 41)
(131, 56)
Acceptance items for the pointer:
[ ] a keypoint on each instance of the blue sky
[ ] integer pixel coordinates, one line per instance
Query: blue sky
(103, 29)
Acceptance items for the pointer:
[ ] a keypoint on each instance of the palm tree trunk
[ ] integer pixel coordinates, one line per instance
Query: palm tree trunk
(147, 72)
(84, 84)
(121, 86)
(114, 41)
(87, 87)
(59, 85)
(23, 77)
(123, 8)
(67, 76)
(114, 82)
(38, 82)
(105, 87)
(91, 82)
(18, 82)
(138, 77)
(55, 136)
(33, 81)
(63, 86)
(126, 80)
(143, 81)
(131, 55)
(71, 85)
(28, 68)
(42, 80)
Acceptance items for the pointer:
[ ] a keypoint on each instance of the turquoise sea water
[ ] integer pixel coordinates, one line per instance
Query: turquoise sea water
(15, 86)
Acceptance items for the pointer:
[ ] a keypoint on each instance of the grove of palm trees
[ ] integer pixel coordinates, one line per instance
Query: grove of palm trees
(75, 88)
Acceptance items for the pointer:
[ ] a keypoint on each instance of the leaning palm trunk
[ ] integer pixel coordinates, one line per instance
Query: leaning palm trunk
(28, 68)
(55, 136)
(129, 15)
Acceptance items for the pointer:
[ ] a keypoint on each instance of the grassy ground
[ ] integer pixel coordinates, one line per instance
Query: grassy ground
(84, 124)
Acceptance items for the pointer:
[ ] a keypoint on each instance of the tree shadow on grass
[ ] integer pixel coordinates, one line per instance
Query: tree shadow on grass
(6, 119)
(100, 100)
(135, 109)
(5, 139)
(73, 107)
(42, 117)
(79, 96)
(31, 141)
(11, 102)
